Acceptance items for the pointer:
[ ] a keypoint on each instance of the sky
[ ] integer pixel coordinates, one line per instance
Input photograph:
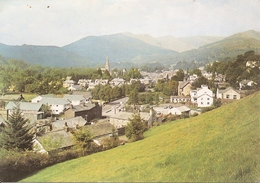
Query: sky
(61, 22)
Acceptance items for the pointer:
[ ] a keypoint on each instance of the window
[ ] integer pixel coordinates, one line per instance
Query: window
(227, 96)
(208, 98)
(208, 103)
(234, 97)
(201, 103)
(56, 105)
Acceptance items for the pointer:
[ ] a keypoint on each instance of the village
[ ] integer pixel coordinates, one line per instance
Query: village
(78, 108)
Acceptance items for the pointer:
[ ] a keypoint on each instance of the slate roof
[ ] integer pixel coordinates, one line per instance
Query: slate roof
(24, 106)
(58, 125)
(99, 129)
(227, 89)
(67, 138)
(128, 115)
(182, 84)
(78, 108)
(74, 97)
(85, 94)
(54, 101)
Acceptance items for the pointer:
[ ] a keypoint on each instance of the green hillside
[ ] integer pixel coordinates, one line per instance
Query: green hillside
(222, 145)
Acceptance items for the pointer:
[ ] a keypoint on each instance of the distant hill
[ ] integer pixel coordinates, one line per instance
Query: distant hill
(118, 47)
(176, 44)
(126, 50)
(44, 55)
(218, 146)
(228, 47)
(198, 41)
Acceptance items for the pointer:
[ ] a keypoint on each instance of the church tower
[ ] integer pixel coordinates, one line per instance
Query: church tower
(107, 67)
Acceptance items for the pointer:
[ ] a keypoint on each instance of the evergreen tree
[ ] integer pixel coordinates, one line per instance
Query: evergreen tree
(17, 133)
(136, 128)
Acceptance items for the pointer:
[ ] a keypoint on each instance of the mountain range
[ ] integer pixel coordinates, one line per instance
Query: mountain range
(127, 49)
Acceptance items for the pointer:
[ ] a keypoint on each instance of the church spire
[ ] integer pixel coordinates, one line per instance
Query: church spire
(107, 67)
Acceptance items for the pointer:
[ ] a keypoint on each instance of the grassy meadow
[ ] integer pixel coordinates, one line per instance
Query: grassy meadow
(222, 145)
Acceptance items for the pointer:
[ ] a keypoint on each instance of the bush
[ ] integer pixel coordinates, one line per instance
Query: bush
(110, 142)
(17, 165)
(206, 109)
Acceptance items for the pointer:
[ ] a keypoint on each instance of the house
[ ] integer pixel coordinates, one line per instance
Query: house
(57, 105)
(246, 84)
(117, 82)
(202, 96)
(68, 83)
(179, 99)
(75, 87)
(84, 82)
(192, 78)
(40, 97)
(103, 82)
(62, 139)
(87, 95)
(179, 110)
(31, 111)
(101, 130)
(121, 119)
(71, 123)
(184, 88)
(75, 99)
(87, 111)
(146, 81)
(193, 96)
(228, 93)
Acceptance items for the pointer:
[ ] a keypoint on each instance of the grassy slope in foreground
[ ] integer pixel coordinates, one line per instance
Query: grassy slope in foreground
(221, 145)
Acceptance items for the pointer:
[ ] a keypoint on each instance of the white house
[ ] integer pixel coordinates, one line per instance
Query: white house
(246, 83)
(179, 99)
(202, 96)
(68, 83)
(117, 82)
(40, 97)
(57, 105)
(75, 99)
(75, 88)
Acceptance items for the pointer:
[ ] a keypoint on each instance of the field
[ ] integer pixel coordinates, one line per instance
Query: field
(222, 145)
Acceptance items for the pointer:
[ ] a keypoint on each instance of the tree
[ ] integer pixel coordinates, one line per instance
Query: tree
(133, 97)
(180, 75)
(83, 139)
(135, 128)
(200, 81)
(17, 133)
